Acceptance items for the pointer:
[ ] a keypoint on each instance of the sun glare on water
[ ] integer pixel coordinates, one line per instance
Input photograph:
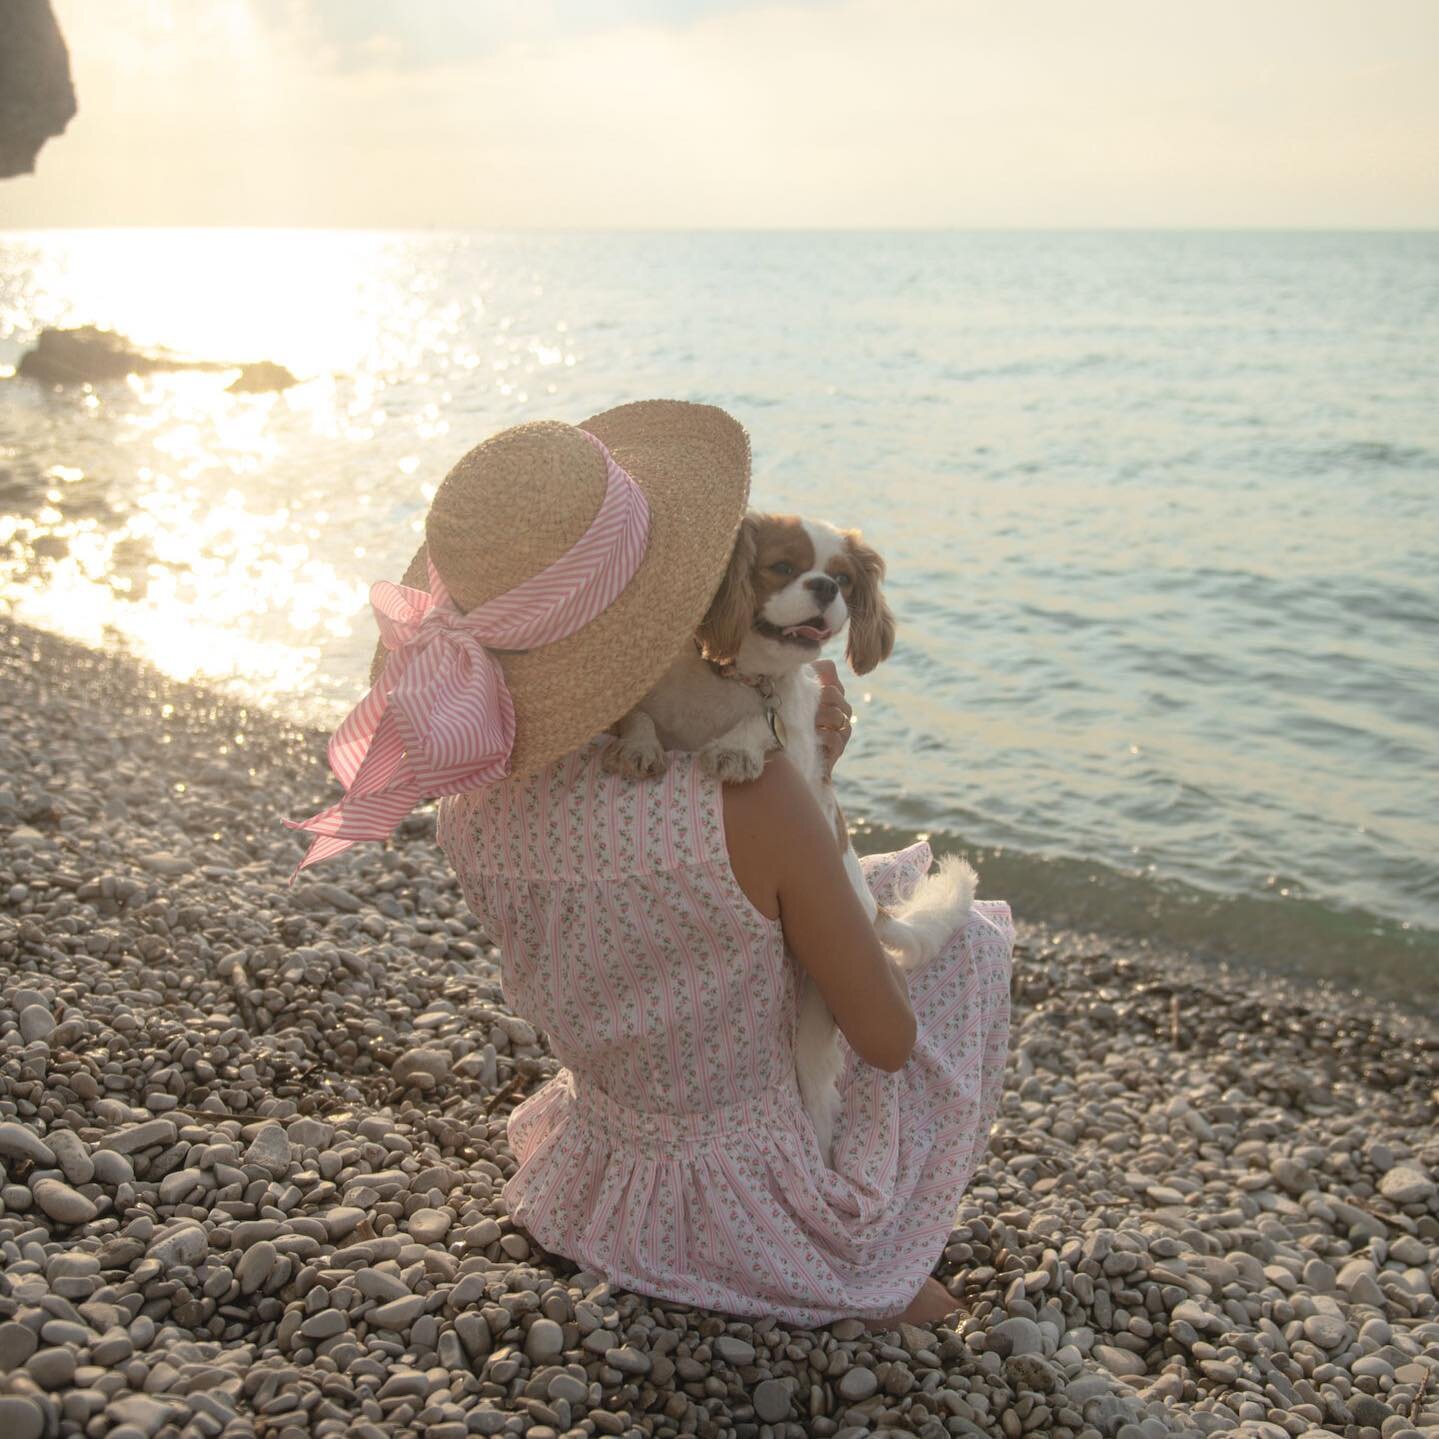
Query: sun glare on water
(218, 535)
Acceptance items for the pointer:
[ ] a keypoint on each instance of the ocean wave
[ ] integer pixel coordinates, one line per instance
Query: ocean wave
(1283, 931)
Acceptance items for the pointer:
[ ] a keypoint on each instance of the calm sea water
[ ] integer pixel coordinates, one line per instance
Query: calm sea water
(1160, 512)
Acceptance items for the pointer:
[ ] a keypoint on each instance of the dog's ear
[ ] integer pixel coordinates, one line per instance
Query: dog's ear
(871, 625)
(730, 616)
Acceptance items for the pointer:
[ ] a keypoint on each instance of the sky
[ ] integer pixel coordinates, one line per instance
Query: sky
(740, 113)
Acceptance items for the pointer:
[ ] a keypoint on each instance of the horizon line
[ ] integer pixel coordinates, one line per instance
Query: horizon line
(997, 229)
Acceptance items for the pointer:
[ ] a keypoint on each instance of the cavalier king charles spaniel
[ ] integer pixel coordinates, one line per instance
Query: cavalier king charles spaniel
(745, 687)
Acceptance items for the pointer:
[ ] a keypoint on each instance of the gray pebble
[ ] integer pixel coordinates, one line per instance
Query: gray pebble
(61, 1203)
(1029, 1371)
(256, 1265)
(17, 1344)
(567, 1387)
(398, 1313)
(146, 1413)
(733, 1350)
(628, 1360)
(772, 1401)
(544, 1341)
(1015, 1336)
(135, 1137)
(21, 1418)
(270, 1150)
(858, 1383)
(184, 1243)
(1326, 1330)
(51, 1368)
(1406, 1185)
(1368, 1410)
(20, 1142)
(36, 1022)
(429, 1226)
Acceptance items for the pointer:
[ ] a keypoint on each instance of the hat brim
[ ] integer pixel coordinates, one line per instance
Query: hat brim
(693, 464)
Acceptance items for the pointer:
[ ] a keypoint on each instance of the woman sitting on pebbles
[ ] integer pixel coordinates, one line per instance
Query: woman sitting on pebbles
(654, 930)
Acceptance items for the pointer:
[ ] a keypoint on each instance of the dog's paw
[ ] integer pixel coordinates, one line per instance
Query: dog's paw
(634, 759)
(731, 764)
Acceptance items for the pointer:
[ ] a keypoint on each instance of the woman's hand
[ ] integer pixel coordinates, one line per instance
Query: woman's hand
(834, 717)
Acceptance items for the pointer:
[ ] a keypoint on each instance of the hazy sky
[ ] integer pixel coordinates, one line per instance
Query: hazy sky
(411, 113)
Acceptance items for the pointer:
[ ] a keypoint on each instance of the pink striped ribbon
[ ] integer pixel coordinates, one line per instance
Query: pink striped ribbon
(440, 718)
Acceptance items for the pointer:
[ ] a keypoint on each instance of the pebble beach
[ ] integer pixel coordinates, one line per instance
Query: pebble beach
(252, 1141)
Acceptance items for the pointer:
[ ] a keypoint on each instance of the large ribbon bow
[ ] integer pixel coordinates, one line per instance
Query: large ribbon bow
(440, 719)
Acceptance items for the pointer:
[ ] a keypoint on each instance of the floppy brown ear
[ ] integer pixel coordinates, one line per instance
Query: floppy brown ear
(871, 624)
(730, 616)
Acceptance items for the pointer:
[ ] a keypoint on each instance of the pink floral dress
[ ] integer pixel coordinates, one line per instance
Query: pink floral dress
(671, 1154)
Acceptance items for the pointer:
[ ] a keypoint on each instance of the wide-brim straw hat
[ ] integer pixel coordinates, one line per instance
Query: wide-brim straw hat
(515, 503)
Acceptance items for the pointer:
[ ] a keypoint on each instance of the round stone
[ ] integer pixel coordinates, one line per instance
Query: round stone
(1029, 1371)
(1367, 1410)
(22, 1143)
(61, 1203)
(270, 1150)
(1328, 1331)
(429, 1226)
(398, 1313)
(1015, 1336)
(771, 1400)
(1406, 1185)
(628, 1360)
(36, 1022)
(20, 1418)
(1118, 1361)
(17, 1344)
(858, 1384)
(567, 1387)
(733, 1350)
(256, 1265)
(544, 1342)
(421, 1068)
(324, 1325)
(52, 1368)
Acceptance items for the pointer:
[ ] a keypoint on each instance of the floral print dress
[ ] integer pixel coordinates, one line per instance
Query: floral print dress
(672, 1154)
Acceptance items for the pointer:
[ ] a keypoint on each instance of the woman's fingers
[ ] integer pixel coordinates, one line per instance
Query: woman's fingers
(834, 716)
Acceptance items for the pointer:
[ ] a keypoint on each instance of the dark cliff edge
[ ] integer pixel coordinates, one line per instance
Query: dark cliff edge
(37, 99)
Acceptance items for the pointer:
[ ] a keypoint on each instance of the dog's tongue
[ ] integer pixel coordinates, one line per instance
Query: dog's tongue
(807, 632)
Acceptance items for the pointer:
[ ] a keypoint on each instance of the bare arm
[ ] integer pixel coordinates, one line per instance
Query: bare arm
(783, 855)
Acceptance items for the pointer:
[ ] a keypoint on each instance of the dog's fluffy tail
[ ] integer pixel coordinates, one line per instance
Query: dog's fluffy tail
(918, 929)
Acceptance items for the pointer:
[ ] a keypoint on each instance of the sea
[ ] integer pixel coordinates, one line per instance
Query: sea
(1160, 511)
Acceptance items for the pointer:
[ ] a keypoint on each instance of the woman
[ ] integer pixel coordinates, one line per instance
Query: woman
(655, 930)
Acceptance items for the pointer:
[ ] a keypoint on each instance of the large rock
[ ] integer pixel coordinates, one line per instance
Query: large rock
(88, 355)
(37, 99)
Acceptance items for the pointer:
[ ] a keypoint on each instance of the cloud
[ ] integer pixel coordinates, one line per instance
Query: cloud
(858, 113)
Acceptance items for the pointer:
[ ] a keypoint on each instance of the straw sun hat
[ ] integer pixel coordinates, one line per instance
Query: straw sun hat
(671, 481)
(519, 500)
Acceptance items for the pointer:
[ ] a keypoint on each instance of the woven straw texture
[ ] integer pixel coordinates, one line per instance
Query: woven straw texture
(519, 500)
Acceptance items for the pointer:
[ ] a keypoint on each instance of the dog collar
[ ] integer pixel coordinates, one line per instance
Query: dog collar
(763, 685)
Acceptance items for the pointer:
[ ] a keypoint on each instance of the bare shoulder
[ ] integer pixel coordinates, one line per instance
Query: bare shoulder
(767, 822)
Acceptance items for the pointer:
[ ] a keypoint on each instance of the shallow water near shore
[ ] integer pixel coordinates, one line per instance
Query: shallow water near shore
(1159, 510)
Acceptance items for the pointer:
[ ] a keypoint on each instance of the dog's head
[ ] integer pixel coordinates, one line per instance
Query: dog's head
(793, 584)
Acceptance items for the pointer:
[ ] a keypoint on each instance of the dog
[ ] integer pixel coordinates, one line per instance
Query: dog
(745, 687)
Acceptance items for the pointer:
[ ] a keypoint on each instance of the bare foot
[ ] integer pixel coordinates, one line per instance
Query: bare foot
(933, 1303)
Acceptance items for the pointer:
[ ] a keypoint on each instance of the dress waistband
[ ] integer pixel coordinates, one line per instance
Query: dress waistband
(602, 1115)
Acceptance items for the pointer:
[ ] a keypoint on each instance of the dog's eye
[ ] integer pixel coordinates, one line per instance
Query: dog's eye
(782, 567)
(844, 581)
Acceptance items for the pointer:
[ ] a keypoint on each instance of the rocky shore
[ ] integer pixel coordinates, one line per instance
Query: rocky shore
(252, 1141)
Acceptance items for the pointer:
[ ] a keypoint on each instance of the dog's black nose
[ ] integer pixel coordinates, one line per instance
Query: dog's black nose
(823, 588)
